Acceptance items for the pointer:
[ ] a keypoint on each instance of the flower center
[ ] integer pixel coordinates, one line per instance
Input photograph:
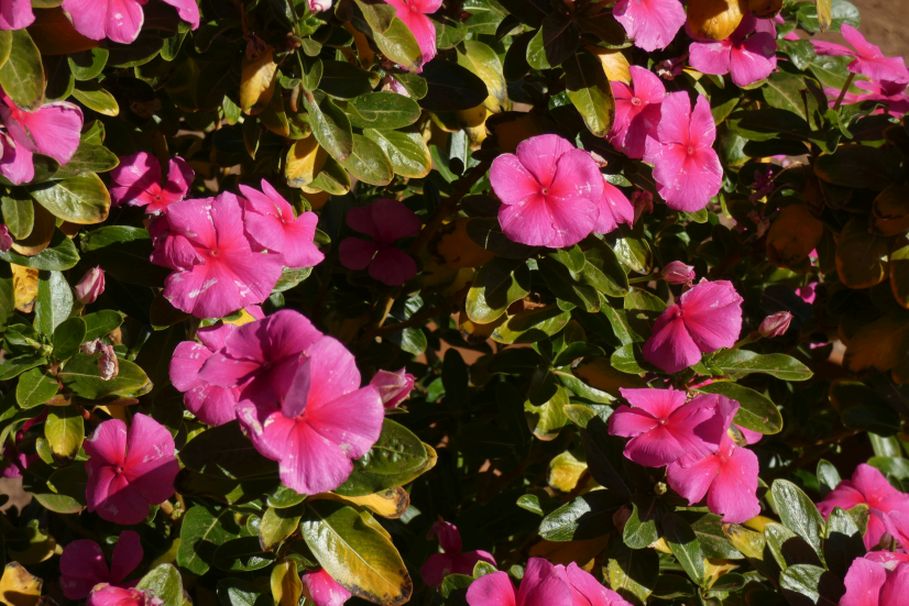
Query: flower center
(690, 150)
(636, 101)
(544, 190)
(118, 470)
(213, 253)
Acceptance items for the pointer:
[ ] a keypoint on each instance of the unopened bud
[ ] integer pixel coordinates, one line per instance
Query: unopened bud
(90, 286)
(393, 387)
(642, 201)
(775, 325)
(317, 6)
(677, 272)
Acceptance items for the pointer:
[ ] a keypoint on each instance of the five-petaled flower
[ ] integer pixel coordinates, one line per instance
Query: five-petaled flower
(385, 222)
(748, 55)
(138, 181)
(120, 20)
(82, 564)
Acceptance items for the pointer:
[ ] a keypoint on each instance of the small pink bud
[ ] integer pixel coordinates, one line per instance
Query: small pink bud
(393, 387)
(677, 272)
(642, 201)
(90, 286)
(6, 240)
(775, 325)
(317, 6)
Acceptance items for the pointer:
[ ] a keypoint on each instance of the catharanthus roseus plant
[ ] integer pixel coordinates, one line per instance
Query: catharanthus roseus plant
(483, 302)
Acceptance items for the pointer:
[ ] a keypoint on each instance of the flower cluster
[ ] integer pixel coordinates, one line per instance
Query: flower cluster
(294, 390)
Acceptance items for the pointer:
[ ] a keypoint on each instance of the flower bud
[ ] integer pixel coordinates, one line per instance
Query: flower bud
(677, 272)
(642, 201)
(775, 325)
(90, 286)
(317, 6)
(393, 387)
(6, 240)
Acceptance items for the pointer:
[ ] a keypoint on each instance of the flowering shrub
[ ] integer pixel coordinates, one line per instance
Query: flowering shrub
(485, 302)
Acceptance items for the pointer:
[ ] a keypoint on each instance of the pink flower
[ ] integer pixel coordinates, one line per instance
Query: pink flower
(615, 208)
(216, 267)
(728, 477)
(120, 20)
(868, 59)
(6, 240)
(393, 387)
(129, 470)
(324, 590)
(212, 404)
(452, 560)
(82, 564)
(270, 223)
(749, 54)
(685, 166)
(664, 428)
(880, 578)
(258, 361)
(108, 595)
(706, 318)
(317, 6)
(892, 95)
(51, 130)
(676, 272)
(775, 325)
(325, 421)
(137, 181)
(869, 486)
(551, 192)
(90, 286)
(652, 24)
(16, 14)
(544, 584)
(414, 15)
(385, 222)
(637, 111)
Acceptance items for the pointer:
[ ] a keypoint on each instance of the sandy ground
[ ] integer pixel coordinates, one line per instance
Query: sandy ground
(886, 23)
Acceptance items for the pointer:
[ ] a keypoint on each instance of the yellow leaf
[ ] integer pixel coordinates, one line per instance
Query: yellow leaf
(391, 503)
(286, 586)
(714, 19)
(882, 344)
(18, 587)
(614, 63)
(257, 77)
(565, 470)
(25, 287)
(304, 161)
(793, 235)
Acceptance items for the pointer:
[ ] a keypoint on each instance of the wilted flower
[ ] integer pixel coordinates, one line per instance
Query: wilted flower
(82, 564)
(393, 387)
(676, 272)
(775, 325)
(90, 287)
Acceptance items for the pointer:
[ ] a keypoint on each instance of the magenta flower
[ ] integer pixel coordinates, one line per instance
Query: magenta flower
(271, 223)
(892, 95)
(544, 584)
(82, 564)
(324, 590)
(258, 361)
(393, 387)
(109, 595)
(16, 14)
(749, 54)
(664, 428)
(676, 272)
(615, 208)
(637, 111)
(707, 317)
(728, 477)
(869, 486)
(385, 222)
(868, 59)
(51, 130)
(217, 269)
(120, 20)
(414, 15)
(685, 166)
(551, 192)
(775, 324)
(212, 404)
(6, 240)
(652, 24)
(452, 560)
(91, 286)
(325, 421)
(880, 578)
(138, 181)
(129, 470)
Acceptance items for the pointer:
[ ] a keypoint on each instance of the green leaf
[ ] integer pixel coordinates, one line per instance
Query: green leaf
(738, 363)
(6, 46)
(531, 325)
(586, 517)
(555, 41)
(330, 127)
(398, 457)
(60, 255)
(858, 166)
(393, 38)
(797, 512)
(276, 526)
(843, 541)
(22, 75)
(165, 583)
(64, 430)
(344, 80)
(784, 91)
(88, 64)
(81, 375)
(638, 533)
(82, 199)
(358, 553)
(201, 532)
(630, 571)
(68, 336)
(495, 286)
(35, 388)
(685, 546)
(96, 98)
(804, 580)
(284, 498)
(589, 92)
(452, 87)
(757, 412)
(407, 152)
(100, 323)
(383, 110)
(54, 303)
(18, 215)
(243, 554)
(368, 163)
(827, 476)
